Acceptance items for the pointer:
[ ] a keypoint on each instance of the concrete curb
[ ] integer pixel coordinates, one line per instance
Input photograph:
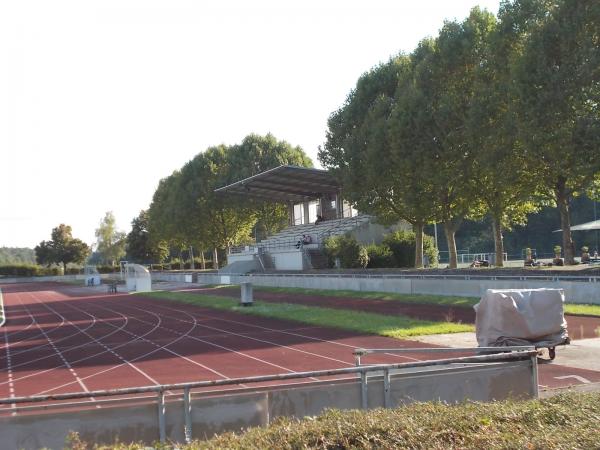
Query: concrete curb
(591, 387)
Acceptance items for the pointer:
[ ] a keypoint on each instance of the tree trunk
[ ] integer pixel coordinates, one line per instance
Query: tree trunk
(64, 268)
(450, 231)
(202, 261)
(215, 259)
(418, 227)
(498, 242)
(562, 201)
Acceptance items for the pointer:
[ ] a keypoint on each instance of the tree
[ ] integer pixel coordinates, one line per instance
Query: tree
(557, 81)
(445, 77)
(111, 242)
(141, 248)
(185, 210)
(378, 172)
(507, 184)
(62, 248)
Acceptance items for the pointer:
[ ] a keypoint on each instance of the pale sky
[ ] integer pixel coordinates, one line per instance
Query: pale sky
(99, 100)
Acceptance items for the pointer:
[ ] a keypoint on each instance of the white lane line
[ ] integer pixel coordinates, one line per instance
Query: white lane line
(108, 349)
(11, 384)
(575, 377)
(248, 324)
(245, 355)
(137, 337)
(37, 336)
(264, 341)
(75, 347)
(60, 355)
(42, 372)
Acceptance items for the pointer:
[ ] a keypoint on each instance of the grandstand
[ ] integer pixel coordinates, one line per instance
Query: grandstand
(315, 209)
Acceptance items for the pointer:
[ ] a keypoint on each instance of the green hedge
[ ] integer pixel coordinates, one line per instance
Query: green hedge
(108, 269)
(380, 256)
(350, 253)
(398, 250)
(28, 270)
(566, 421)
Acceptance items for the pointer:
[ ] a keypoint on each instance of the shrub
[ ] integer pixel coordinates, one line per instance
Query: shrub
(347, 249)
(20, 270)
(363, 257)
(29, 270)
(108, 269)
(402, 245)
(73, 271)
(380, 256)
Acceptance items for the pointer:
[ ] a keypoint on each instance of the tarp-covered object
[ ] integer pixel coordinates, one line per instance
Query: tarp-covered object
(521, 316)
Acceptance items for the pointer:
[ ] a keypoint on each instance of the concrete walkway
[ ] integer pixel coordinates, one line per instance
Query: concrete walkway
(580, 354)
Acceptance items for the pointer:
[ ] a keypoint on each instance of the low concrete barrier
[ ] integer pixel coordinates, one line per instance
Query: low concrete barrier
(585, 290)
(235, 411)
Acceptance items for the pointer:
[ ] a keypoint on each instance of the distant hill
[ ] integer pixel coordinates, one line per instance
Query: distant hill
(14, 255)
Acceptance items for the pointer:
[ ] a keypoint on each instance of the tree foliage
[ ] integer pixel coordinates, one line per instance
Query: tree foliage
(62, 248)
(140, 247)
(185, 210)
(558, 82)
(110, 241)
(490, 117)
(16, 255)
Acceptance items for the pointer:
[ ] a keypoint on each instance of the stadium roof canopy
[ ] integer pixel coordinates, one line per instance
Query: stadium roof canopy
(285, 184)
(593, 225)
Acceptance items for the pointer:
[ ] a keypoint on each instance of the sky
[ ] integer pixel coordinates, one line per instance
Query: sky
(99, 100)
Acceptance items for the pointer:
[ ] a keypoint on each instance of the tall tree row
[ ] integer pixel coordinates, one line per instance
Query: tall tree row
(185, 210)
(492, 117)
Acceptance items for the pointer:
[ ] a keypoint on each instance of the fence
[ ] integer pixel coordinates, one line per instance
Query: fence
(505, 371)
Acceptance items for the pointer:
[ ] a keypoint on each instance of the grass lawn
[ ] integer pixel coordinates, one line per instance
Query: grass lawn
(444, 300)
(464, 302)
(362, 322)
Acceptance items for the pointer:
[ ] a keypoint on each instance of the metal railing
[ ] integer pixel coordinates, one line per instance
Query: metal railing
(588, 278)
(160, 390)
(358, 353)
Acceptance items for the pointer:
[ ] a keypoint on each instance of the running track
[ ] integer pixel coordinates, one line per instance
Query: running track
(61, 338)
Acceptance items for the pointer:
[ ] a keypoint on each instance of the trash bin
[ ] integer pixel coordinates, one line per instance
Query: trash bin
(246, 299)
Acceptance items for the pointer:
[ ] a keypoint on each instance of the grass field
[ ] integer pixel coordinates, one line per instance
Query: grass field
(362, 322)
(460, 302)
(561, 422)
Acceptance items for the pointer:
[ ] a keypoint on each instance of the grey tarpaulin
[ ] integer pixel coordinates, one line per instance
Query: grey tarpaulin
(519, 316)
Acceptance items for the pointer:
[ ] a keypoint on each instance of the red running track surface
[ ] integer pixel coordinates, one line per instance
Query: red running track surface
(60, 339)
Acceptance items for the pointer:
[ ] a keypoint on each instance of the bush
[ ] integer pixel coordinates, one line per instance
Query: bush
(73, 271)
(402, 245)
(108, 269)
(380, 256)
(20, 270)
(347, 249)
(29, 270)
(363, 257)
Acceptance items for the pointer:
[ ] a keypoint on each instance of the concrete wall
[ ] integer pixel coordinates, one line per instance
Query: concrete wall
(233, 412)
(575, 291)
(289, 259)
(233, 257)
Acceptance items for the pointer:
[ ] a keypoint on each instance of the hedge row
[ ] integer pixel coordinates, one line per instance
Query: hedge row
(396, 250)
(568, 421)
(29, 270)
